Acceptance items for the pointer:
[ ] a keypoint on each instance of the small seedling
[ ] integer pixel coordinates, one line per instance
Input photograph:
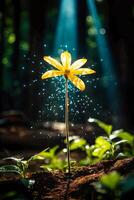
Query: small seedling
(20, 167)
(109, 146)
(52, 160)
(108, 187)
(114, 186)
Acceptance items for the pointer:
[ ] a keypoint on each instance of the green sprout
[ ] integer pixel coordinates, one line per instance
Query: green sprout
(115, 144)
(20, 167)
(114, 186)
(108, 187)
(110, 145)
(52, 160)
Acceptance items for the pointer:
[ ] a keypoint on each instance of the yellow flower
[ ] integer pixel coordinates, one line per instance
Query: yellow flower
(67, 69)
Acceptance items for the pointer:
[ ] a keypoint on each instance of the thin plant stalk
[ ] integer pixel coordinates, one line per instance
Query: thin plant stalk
(66, 123)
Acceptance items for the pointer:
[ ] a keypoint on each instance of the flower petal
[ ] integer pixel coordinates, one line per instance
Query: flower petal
(53, 62)
(52, 73)
(83, 71)
(78, 63)
(66, 59)
(77, 81)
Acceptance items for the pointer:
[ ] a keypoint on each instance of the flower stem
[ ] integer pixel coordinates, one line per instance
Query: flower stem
(66, 123)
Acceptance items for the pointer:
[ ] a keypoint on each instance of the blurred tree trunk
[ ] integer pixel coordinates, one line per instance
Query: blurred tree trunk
(121, 28)
(2, 39)
(16, 20)
(16, 54)
(38, 10)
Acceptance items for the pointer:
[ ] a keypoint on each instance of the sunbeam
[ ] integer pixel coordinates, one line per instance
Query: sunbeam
(66, 32)
(108, 66)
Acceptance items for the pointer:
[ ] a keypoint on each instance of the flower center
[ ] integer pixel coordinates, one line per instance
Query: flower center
(67, 72)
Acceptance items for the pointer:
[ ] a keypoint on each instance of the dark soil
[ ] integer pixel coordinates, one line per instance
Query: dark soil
(57, 186)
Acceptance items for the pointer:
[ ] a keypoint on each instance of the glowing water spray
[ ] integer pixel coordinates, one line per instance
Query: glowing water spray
(69, 71)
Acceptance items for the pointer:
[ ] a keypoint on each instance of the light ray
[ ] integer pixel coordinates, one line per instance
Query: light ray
(108, 66)
(66, 33)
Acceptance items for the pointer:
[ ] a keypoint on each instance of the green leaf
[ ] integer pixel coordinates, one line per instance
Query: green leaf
(55, 163)
(85, 161)
(106, 127)
(46, 168)
(53, 150)
(10, 169)
(115, 134)
(101, 141)
(120, 155)
(45, 154)
(111, 180)
(120, 142)
(39, 156)
(14, 159)
(100, 147)
(71, 138)
(125, 136)
(78, 144)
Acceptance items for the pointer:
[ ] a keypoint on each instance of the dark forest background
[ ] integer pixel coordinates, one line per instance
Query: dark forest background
(26, 25)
